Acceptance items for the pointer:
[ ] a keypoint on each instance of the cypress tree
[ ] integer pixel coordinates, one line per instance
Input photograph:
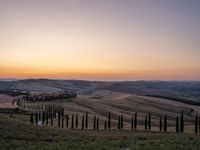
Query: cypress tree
(119, 122)
(177, 124)
(43, 117)
(50, 112)
(182, 123)
(83, 122)
(72, 126)
(165, 124)
(97, 123)
(109, 119)
(39, 115)
(135, 123)
(132, 122)
(105, 124)
(54, 113)
(47, 118)
(31, 118)
(59, 118)
(199, 123)
(76, 120)
(36, 118)
(160, 124)
(94, 122)
(122, 121)
(149, 121)
(62, 117)
(62, 110)
(67, 121)
(62, 121)
(196, 124)
(86, 121)
(51, 121)
(145, 123)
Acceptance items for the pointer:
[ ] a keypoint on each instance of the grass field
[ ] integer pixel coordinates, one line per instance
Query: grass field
(17, 133)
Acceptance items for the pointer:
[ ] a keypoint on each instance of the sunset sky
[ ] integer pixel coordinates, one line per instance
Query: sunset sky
(100, 39)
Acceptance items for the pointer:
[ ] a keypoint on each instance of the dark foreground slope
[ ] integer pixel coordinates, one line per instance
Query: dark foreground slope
(15, 134)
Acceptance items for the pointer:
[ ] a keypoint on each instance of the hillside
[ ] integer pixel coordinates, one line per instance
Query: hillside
(99, 98)
(178, 89)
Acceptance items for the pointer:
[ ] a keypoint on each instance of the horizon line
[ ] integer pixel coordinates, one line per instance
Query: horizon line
(92, 80)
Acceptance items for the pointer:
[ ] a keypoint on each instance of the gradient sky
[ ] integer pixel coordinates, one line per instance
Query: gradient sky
(100, 39)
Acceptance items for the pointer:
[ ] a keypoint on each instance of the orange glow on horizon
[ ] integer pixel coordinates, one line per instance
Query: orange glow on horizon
(96, 75)
(131, 40)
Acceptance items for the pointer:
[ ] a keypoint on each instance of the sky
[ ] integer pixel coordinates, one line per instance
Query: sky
(100, 39)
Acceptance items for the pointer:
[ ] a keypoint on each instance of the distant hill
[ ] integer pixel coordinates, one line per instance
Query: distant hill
(178, 89)
(8, 79)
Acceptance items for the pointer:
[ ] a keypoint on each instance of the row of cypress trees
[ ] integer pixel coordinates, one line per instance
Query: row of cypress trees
(45, 118)
(180, 123)
(163, 124)
(46, 115)
(47, 97)
(49, 113)
(28, 98)
(148, 122)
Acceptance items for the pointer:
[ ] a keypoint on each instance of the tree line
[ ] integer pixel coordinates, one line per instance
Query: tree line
(44, 97)
(77, 121)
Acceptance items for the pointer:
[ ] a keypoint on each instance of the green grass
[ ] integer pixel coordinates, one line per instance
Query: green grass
(17, 134)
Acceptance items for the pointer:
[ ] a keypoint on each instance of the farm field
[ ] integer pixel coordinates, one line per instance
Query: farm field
(16, 131)
(102, 102)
